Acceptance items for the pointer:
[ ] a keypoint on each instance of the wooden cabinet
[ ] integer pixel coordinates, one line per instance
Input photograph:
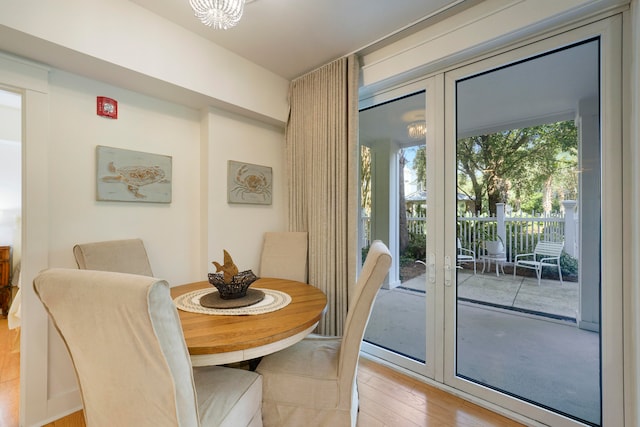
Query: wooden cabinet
(5, 284)
(5, 265)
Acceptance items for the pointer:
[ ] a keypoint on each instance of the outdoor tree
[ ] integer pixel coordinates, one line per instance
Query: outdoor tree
(517, 162)
(402, 221)
(420, 164)
(365, 179)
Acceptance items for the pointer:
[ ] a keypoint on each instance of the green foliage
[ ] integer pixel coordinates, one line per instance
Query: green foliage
(364, 252)
(420, 164)
(533, 203)
(365, 179)
(512, 166)
(416, 249)
(480, 232)
(568, 265)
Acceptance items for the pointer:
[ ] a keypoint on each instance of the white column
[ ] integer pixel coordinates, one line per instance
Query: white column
(384, 203)
(570, 242)
(589, 207)
(501, 228)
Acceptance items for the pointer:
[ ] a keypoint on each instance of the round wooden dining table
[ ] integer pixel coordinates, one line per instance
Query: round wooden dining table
(221, 339)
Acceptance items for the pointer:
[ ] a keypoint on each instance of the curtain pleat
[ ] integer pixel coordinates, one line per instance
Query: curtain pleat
(321, 145)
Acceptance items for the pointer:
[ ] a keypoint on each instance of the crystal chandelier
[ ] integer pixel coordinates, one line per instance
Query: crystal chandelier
(219, 14)
(417, 129)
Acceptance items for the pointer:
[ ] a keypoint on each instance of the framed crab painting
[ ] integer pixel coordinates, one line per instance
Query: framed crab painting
(132, 176)
(247, 183)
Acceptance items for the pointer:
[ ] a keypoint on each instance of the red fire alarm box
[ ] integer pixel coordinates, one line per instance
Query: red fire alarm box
(107, 107)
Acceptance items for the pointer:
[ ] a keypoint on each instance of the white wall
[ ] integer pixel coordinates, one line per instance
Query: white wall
(61, 207)
(119, 42)
(239, 228)
(170, 231)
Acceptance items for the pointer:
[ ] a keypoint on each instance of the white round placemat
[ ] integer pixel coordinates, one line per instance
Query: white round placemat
(273, 300)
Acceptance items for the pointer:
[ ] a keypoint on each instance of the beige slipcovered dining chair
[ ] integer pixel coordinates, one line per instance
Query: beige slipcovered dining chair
(313, 382)
(131, 361)
(284, 255)
(122, 256)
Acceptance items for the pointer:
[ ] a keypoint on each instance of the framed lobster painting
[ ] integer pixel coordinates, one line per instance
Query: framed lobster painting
(250, 184)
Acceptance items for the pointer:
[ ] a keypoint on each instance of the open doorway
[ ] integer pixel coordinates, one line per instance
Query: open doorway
(10, 253)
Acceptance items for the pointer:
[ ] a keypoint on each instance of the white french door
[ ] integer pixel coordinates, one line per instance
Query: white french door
(520, 361)
(404, 323)
(552, 372)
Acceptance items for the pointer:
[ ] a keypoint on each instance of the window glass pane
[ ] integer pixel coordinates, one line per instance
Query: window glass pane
(393, 206)
(528, 197)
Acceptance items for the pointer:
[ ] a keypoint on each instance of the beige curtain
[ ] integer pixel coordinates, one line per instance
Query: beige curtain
(322, 159)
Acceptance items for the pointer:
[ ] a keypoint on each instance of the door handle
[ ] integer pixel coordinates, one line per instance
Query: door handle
(432, 268)
(447, 270)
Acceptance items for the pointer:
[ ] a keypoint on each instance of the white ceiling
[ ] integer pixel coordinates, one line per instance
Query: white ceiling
(293, 37)
(543, 90)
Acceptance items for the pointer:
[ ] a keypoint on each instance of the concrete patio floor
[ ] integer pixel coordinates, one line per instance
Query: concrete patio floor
(506, 291)
(513, 335)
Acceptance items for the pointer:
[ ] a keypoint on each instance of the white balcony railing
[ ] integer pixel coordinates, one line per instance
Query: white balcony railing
(519, 233)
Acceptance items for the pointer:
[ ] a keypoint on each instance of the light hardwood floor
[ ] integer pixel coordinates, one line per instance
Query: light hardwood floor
(387, 398)
(9, 375)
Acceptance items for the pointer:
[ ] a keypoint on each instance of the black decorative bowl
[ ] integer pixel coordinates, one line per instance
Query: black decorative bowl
(238, 286)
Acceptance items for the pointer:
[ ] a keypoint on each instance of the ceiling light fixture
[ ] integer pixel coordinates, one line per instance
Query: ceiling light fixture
(417, 129)
(219, 14)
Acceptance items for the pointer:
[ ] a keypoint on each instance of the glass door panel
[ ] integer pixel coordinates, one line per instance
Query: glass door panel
(529, 210)
(521, 142)
(393, 209)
